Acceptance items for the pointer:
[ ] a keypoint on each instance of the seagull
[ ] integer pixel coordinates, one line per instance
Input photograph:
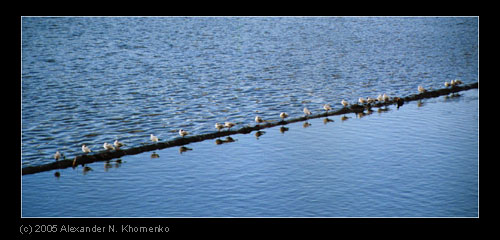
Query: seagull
(447, 84)
(219, 126)
(380, 98)
(345, 103)
(421, 89)
(183, 133)
(118, 144)
(455, 82)
(108, 146)
(57, 155)
(229, 125)
(283, 115)
(386, 97)
(361, 100)
(153, 138)
(258, 119)
(327, 107)
(370, 100)
(306, 111)
(85, 149)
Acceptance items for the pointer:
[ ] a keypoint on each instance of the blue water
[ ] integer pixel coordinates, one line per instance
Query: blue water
(93, 80)
(420, 160)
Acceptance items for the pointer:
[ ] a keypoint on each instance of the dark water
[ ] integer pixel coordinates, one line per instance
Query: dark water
(94, 80)
(418, 161)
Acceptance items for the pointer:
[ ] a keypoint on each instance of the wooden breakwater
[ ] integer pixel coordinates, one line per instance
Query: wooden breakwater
(180, 141)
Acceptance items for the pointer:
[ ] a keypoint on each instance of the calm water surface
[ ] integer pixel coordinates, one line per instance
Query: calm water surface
(94, 80)
(417, 161)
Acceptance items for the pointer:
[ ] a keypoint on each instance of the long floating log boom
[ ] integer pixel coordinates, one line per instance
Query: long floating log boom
(107, 155)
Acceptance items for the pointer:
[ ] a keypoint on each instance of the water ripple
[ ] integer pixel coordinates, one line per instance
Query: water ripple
(95, 79)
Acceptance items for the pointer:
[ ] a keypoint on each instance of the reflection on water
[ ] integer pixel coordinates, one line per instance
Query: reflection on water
(327, 120)
(227, 140)
(112, 164)
(86, 169)
(283, 129)
(258, 134)
(183, 149)
(155, 155)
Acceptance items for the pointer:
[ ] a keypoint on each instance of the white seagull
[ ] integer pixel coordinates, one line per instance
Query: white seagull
(421, 89)
(57, 155)
(361, 100)
(118, 144)
(380, 98)
(219, 126)
(344, 103)
(306, 111)
(183, 133)
(153, 138)
(386, 97)
(229, 125)
(446, 84)
(455, 82)
(283, 115)
(108, 146)
(327, 107)
(85, 149)
(258, 119)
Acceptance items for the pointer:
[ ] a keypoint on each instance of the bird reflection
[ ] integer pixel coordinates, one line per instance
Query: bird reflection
(453, 95)
(155, 155)
(383, 109)
(360, 114)
(109, 164)
(86, 169)
(220, 141)
(369, 111)
(343, 118)
(283, 129)
(420, 103)
(327, 120)
(258, 134)
(184, 149)
(306, 125)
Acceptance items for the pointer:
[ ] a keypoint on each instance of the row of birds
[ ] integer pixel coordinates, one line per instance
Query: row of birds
(381, 98)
